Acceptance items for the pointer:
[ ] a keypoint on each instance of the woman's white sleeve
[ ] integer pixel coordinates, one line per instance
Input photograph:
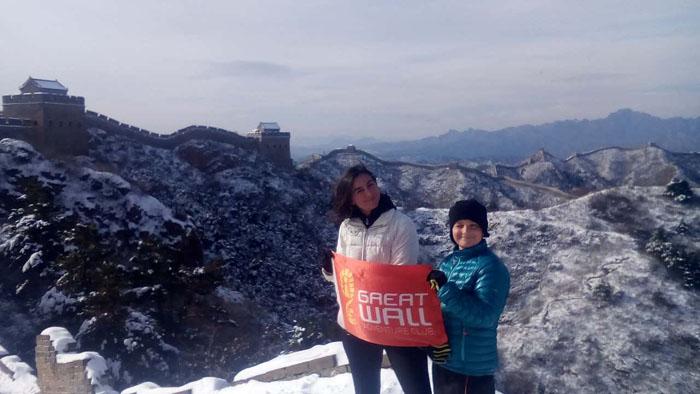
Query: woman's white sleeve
(405, 247)
(339, 248)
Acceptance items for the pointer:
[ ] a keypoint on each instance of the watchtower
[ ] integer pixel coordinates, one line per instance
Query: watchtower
(57, 119)
(273, 143)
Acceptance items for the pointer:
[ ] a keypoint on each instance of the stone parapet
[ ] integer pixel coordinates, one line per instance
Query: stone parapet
(42, 98)
(168, 141)
(326, 366)
(59, 378)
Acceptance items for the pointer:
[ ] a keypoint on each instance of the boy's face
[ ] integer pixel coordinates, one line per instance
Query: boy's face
(466, 233)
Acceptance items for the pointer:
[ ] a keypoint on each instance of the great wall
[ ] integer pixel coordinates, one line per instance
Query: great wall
(61, 369)
(56, 124)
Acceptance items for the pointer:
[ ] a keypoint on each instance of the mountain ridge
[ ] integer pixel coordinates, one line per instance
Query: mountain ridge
(625, 127)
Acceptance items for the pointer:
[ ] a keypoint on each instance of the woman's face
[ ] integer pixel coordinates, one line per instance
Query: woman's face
(466, 233)
(365, 193)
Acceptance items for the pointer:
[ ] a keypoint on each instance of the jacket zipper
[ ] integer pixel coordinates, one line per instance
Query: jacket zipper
(364, 242)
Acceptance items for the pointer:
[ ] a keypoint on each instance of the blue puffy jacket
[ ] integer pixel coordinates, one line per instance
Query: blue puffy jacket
(472, 301)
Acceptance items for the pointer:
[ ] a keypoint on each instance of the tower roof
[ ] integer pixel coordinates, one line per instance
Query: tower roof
(268, 127)
(35, 85)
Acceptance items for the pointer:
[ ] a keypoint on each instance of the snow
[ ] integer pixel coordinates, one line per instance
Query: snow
(108, 178)
(286, 360)
(60, 338)
(17, 144)
(33, 261)
(311, 384)
(228, 295)
(16, 376)
(54, 301)
(95, 368)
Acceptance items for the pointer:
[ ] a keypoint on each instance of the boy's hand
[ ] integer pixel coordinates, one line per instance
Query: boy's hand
(437, 279)
(440, 353)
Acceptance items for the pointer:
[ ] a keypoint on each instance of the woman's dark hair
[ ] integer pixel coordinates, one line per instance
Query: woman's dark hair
(342, 195)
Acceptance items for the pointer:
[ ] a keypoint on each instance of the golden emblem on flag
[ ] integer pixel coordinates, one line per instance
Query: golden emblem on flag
(347, 286)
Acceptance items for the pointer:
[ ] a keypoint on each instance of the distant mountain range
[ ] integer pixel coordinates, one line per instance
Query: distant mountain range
(624, 128)
(541, 180)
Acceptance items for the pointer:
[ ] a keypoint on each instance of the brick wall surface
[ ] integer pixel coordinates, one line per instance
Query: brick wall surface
(55, 378)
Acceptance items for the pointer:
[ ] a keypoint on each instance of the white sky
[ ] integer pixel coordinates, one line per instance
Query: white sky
(389, 69)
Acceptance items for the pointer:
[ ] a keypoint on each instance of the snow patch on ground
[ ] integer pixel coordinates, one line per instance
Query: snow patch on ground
(16, 377)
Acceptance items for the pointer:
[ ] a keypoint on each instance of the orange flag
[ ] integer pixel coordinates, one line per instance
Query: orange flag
(388, 304)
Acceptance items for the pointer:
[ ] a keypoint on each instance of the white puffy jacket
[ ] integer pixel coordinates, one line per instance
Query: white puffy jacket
(391, 239)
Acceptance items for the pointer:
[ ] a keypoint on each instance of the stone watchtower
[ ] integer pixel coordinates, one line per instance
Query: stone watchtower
(57, 119)
(273, 143)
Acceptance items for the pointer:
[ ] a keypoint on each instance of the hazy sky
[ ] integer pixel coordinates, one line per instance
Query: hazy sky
(388, 69)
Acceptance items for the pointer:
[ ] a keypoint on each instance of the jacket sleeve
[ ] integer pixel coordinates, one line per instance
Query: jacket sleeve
(339, 248)
(405, 247)
(481, 306)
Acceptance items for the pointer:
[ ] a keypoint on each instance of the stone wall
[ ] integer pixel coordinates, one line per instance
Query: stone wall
(56, 120)
(323, 366)
(276, 147)
(167, 141)
(59, 378)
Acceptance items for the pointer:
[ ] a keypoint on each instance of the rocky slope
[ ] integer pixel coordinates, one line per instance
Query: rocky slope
(152, 256)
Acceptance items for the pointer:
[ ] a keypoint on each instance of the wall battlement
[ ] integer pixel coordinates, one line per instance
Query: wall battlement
(59, 378)
(167, 141)
(56, 124)
(42, 98)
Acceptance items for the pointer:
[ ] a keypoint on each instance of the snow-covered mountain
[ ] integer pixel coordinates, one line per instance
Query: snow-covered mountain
(604, 168)
(624, 128)
(599, 301)
(415, 185)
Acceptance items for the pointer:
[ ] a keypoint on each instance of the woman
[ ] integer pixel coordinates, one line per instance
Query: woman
(473, 288)
(373, 230)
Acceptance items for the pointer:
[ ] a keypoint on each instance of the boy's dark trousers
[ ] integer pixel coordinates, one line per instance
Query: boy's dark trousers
(409, 363)
(448, 382)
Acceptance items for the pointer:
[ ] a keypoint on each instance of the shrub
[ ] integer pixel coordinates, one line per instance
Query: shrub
(681, 263)
(679, 190)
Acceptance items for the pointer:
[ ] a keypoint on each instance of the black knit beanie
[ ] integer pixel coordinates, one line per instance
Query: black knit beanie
(469, 209)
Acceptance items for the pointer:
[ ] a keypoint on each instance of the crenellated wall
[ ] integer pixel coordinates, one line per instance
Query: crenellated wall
(167, 141)
(42, 98)
(56, 125)
(59, 378)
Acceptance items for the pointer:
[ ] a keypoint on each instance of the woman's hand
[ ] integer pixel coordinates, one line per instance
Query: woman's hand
(326, 261)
